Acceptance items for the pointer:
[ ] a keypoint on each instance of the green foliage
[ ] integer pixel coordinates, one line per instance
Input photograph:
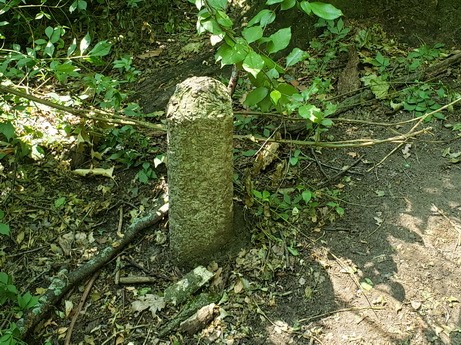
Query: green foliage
(17, 303)
(289, 204)
(424, 98)
(253, 52)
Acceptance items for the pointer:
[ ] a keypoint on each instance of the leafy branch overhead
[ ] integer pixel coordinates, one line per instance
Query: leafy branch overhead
(253, 52)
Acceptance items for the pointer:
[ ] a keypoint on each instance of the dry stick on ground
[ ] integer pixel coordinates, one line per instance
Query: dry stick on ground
(420, 120)
(79, 308)
(63, 282)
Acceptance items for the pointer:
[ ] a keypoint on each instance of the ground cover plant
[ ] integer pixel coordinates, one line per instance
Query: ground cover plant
(80, 161)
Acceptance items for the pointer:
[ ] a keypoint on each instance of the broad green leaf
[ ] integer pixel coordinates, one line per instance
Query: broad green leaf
(56, 35)
(256, 96)
(209, 25)
(325, 11)
(263, 17)
(252, 33)
(306, 7)
(272, 2)
(279, 40)
(100, 49)
(7, 129)
(231, 55)
(253, 63)
(224, 20)
(327, 122)
(287, 4)
(286, 89)
(4, 229)
(49, 31)
(218, 4)
(296, 56)
(40, 41)
(85, 43)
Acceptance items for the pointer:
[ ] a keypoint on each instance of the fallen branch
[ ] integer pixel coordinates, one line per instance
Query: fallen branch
(93, 114)
(64, 281)
(337, 144)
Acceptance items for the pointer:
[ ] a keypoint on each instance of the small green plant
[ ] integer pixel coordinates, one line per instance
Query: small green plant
(18, 303)
(422, 55)
(424, 98)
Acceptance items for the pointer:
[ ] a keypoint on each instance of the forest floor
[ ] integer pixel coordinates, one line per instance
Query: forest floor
(385, 272)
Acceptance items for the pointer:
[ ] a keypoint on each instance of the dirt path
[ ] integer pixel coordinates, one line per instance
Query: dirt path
(399, 239)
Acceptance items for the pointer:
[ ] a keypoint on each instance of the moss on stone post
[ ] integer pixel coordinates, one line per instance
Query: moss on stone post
(200, 170)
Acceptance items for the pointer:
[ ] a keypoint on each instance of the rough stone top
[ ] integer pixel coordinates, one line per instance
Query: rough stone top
(202, 97)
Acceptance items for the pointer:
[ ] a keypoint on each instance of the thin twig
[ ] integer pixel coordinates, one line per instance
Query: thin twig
(341, 173)
(79, 308)
(319, 316)
(385, 157)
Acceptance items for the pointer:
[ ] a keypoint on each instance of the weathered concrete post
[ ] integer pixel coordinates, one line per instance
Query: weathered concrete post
(200, 169)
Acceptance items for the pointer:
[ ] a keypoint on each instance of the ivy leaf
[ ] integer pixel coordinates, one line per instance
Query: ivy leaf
(272, 2)
(252, 33)
(279, 40)
(85, 43)
(100, 49)
(253, 63)
(296, 56)
(256, 96)
(325, 11)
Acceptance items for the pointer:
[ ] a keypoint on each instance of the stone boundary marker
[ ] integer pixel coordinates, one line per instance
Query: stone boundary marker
(200, 171)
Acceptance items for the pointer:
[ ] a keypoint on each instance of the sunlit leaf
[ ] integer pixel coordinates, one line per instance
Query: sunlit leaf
(85, 43)
(253, 63)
